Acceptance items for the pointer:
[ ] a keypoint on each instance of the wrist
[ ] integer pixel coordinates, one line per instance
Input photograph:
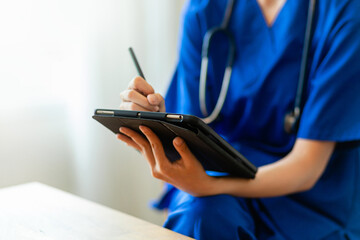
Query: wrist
(216, 186)
(239, 187)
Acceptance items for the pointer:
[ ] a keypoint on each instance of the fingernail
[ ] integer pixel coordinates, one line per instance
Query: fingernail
(156, 108)
(178, 141)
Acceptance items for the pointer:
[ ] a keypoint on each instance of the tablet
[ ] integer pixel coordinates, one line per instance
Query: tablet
(214, 153)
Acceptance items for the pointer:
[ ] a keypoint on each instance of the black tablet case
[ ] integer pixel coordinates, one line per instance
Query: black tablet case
(214, 153)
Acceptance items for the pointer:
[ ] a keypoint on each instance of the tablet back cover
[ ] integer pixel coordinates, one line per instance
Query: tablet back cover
(211, 156)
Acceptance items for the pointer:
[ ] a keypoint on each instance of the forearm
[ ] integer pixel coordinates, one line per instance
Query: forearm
(271, 180)
(297, 172)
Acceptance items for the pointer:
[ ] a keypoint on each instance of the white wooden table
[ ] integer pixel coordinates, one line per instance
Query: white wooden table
(36, 211)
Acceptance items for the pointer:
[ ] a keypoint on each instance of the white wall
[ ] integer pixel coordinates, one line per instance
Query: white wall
(61, 59)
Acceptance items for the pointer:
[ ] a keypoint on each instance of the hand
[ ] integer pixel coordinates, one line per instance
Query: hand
(186, 173)
(140, 96)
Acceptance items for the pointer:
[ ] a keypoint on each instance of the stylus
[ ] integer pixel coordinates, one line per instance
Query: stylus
(138, 68)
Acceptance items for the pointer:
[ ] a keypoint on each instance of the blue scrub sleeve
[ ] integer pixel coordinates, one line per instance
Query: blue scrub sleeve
(183, 93)
(179, 97)
(332, 108)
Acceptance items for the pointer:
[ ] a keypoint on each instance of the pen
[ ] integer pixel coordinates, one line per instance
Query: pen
(136, 63)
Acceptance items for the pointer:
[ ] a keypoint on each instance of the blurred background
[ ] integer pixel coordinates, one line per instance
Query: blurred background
(61, 59)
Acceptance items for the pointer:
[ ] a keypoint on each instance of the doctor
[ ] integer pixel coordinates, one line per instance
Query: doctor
(308, 181)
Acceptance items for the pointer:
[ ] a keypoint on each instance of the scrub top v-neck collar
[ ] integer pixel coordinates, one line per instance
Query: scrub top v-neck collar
(270, 28)
(275, 19)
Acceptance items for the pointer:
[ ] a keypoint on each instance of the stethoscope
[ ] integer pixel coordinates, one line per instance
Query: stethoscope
(291, 120)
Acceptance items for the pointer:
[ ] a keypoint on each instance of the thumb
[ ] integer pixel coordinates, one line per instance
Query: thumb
(183, 150)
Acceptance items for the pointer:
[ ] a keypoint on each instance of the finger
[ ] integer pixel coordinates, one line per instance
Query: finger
(140, 85)
(132, 106)
(157, 100)
(156, 146)
(183, 150)
(144, 145)
(128, 141)
(138, 98)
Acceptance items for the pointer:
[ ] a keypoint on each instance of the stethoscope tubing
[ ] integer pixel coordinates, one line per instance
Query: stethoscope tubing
(305, 58)
(222, 29)
(226, 78)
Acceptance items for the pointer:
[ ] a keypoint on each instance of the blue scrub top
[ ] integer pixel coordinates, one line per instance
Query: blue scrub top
(263, 88)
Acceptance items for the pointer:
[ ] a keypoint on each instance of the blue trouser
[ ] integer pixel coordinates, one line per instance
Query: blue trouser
(223, 217)
(218, 217)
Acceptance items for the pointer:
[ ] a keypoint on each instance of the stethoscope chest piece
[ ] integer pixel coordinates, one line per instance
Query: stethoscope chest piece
(291, 121)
